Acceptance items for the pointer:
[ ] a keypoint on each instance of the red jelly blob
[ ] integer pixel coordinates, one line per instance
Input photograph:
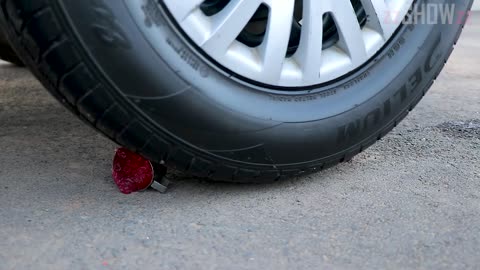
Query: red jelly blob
(131, 172)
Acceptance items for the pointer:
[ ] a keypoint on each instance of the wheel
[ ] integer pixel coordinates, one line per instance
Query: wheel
(238, 90)
(7, 53)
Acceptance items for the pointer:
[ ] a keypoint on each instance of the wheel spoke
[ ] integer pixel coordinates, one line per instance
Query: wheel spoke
(275, 44)
(181, 9)
(398, 10)
(351, 37)
(309, 52)
(379, 17)
(228, 24)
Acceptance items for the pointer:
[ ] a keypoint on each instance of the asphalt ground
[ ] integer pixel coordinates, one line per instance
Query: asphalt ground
(410, 201)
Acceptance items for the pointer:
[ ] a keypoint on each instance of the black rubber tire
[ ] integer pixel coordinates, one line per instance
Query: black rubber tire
(7, 53)
(171, 104)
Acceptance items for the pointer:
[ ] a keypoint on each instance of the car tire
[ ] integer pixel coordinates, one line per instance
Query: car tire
(7, 53)
(140, 80)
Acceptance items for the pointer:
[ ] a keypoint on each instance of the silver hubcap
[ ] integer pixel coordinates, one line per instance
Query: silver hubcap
(311, 63)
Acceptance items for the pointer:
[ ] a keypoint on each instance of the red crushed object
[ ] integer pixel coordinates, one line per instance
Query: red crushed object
(131, 172)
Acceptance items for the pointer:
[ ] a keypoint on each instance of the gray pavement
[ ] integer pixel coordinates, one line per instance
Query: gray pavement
(411, 201)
